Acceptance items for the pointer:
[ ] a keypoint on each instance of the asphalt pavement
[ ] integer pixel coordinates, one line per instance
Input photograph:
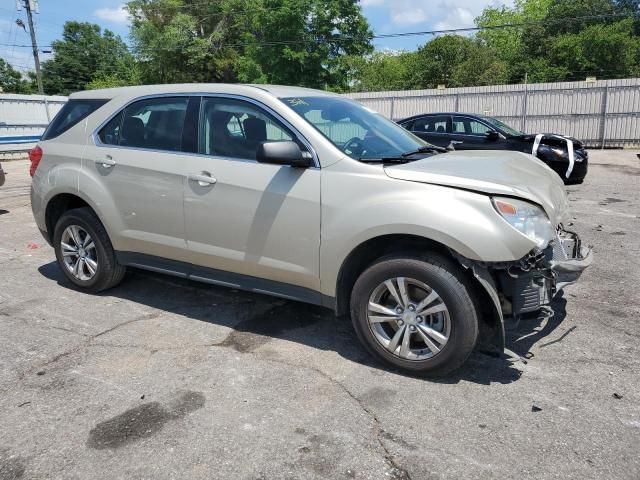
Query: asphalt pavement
(163, 378)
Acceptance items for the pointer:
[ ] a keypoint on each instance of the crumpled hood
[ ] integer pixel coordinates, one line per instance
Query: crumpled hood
(513, 174)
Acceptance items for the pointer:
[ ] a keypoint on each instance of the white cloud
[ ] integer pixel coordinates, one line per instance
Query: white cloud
(115, 15)
(371, 3)
(457, 18)
(437, 14)
(409, 17)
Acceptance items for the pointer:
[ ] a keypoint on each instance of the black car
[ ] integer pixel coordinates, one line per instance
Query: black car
(463, 131)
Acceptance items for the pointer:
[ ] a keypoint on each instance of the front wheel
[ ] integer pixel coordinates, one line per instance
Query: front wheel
(415, 314)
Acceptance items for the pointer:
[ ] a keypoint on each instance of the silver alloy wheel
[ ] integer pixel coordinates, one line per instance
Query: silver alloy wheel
(409, 318)
(79, 252)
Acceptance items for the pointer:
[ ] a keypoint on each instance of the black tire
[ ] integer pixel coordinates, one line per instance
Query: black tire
(109, 272)
(447, 279)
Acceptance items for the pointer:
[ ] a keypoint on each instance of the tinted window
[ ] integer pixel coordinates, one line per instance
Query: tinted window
(71, 113)
(233, 128)
(431, 124)
(155, 123)
(468, 126)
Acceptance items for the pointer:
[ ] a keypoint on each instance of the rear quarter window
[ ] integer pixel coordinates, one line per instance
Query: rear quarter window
(73, 112)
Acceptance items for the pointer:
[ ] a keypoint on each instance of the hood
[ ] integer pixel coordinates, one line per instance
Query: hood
(551, 139)
(513, 174)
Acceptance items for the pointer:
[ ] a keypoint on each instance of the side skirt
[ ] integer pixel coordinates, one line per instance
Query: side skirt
(224, 279)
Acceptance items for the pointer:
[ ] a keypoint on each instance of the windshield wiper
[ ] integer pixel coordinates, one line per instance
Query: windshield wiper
(385, 160)
(404, 157)
(425, 149)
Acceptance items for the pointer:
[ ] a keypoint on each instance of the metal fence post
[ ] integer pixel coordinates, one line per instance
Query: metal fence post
(46, 107)
(605, 111)
(457, 102)
(525, 106)
(393, 105)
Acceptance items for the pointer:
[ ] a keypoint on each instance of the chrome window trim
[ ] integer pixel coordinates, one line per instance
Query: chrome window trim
(295, 131)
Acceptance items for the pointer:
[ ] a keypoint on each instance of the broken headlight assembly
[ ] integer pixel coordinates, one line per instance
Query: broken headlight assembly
(528, 218)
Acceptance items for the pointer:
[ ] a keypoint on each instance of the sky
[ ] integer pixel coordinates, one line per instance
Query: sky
(385, 16)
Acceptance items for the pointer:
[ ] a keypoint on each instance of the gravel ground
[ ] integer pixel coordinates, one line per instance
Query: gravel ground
(163, 378)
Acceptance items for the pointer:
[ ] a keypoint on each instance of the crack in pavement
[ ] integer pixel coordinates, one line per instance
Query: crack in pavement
(88, 341)
(397, 471)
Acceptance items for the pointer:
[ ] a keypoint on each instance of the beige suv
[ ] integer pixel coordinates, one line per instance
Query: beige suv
(308, 196)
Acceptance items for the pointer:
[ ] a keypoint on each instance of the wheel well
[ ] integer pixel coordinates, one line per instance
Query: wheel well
(368, 252)
(57, 206)
(491, 331)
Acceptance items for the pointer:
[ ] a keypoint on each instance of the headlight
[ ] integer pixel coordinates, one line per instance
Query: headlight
(527, 218)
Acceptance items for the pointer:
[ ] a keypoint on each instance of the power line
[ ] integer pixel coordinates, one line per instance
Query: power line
(344, 38)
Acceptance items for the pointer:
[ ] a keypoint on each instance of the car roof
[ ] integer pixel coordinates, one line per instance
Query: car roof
(464, 114)
(279, 91)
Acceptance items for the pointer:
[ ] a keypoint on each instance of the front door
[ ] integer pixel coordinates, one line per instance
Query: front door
(470, 134)
(261, 221)
(138, 160)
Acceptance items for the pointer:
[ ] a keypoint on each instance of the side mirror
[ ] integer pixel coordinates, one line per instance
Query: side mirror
(492, 136)
(283, 153)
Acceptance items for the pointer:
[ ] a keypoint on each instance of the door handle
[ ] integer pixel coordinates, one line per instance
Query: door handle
(107, 161)
(203, 179)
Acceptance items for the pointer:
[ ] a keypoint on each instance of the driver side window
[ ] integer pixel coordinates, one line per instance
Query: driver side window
(235, 129)
(468, 126)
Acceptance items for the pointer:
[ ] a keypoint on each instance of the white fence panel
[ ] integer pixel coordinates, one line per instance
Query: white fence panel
(604, 113)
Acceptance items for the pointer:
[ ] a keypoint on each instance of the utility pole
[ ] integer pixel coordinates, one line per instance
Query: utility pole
(28, 6)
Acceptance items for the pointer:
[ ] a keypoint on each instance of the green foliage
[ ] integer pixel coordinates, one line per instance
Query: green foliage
(327, 44)
(12, 81)
(380, 71)
(296, 42)
(84, 55)
(557, 45)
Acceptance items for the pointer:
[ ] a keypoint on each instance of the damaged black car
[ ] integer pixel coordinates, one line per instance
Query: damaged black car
(565, 155)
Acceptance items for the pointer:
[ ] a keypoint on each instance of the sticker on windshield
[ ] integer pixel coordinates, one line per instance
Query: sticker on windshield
(297, 102)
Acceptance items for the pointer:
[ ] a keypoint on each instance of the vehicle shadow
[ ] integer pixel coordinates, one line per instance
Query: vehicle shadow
(257, 319)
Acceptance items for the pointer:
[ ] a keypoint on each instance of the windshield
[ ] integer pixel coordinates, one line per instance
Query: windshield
(502, 126)
(358, 131)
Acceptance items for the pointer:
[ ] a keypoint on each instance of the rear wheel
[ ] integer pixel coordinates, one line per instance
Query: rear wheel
(84, 251)
(415, 314)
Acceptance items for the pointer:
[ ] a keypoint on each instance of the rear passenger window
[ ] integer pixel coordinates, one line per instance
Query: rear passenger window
(155, 123)
(431, 124)
(73, 112)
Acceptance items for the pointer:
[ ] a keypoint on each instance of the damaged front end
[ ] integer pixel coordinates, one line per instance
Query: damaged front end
(531, 283)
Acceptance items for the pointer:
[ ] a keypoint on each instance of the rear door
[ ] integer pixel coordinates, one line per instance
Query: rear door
(258, 220)
(433, 128)
(138, 159)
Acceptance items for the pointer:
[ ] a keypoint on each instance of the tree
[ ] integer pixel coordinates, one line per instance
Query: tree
(12, 81)
(84, 55)
(554, 42)
(297, 42)
(379, 71)
(456, 61)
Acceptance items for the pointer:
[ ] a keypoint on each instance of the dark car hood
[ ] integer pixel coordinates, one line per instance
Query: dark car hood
(552, 139)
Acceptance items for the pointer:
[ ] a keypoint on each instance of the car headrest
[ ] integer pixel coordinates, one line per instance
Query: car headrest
(133, 131)
(255, 129)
